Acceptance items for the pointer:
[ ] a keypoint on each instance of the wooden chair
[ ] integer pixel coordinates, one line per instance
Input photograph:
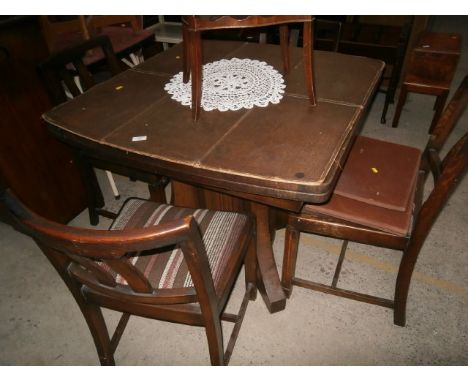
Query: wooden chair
(126, 33)
(67, 67)
(156, 261)
(431, 68)
(194, 25)
(61, 68)
(378, 201)
(382, 37)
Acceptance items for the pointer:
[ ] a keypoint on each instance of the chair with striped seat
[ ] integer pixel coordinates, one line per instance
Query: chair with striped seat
(378, 201)
(156, 261)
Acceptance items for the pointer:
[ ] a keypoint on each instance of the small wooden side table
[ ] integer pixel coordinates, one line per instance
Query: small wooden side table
(430, 71)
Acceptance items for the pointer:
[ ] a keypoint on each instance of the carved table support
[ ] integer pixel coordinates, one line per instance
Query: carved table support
(269, 281)
(186, 195)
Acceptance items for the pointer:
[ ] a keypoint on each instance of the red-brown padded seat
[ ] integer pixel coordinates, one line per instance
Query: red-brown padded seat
(379, 173)
(167, 269)
(381, 198)
(387, 220)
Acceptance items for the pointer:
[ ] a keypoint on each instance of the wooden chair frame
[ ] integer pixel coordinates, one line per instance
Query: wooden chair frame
(75, 253)
(55, 69)
(86, 27)
(192, 26)
(447, 174)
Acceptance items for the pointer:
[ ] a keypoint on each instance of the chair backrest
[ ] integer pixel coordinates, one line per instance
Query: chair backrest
(447, 172)
(200, 23)
(57, 29)
(56, 68)
(94, 23)
(444, 127)
(453, 168)
(95, 257)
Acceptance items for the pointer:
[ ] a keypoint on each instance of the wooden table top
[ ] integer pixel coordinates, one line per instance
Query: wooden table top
(290, 150)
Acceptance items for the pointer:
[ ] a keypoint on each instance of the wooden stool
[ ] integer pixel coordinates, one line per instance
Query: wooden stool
(430, 70)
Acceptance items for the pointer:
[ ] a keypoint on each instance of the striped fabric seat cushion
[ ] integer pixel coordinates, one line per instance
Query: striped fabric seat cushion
(166, 267)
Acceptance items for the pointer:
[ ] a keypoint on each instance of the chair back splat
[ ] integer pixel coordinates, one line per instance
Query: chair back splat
(128, 268)
(126, 33)
(444, 127)
(64, 65)
(384, 208)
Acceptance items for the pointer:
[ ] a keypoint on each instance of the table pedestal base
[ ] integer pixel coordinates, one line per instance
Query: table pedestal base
(185, 195)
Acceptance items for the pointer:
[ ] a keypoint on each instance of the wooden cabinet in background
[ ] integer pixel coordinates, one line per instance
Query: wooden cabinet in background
(37, 167)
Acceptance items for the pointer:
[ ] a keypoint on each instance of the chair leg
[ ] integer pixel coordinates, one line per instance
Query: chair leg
(389, 98)
(92, 313)
(383, 118)
(94, 197)
(390, 94)
(214, 336)
(196, 73)
(439, 107)
(308, 64)
(115, 190)
(405, 272)
(434, 108)
(186, 55)
(250, 265)
(291, 243)
(157, 190)
(284, 43)
(98, 329)
(401, 102)
(339, 264)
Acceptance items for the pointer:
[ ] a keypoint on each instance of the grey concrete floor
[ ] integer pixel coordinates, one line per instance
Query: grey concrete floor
(42, 325)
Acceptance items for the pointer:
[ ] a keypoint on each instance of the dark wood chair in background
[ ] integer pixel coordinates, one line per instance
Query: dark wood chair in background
(382, 37)
(126, 33)
(430, 71)
(193, 26)
(378, 201)
(156, 261)
(62, 68)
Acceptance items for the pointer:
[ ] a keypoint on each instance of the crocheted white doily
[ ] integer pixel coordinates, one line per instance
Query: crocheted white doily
(231, 85)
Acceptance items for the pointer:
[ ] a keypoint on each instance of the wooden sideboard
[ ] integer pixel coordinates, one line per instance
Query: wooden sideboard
(37, 167)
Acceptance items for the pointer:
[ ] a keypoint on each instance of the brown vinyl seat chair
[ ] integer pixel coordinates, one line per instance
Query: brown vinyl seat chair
(60, 72)
(193, 26)
(126, 33)
(378, 201)
(156, 261)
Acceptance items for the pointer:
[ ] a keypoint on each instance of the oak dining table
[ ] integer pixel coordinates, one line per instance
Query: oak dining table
(266, 160)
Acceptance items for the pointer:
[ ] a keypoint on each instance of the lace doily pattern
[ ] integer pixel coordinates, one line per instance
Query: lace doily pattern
(232, 85)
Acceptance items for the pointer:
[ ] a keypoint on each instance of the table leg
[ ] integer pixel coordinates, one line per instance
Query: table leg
(94, 197)
(269, 281)
(157, 189)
